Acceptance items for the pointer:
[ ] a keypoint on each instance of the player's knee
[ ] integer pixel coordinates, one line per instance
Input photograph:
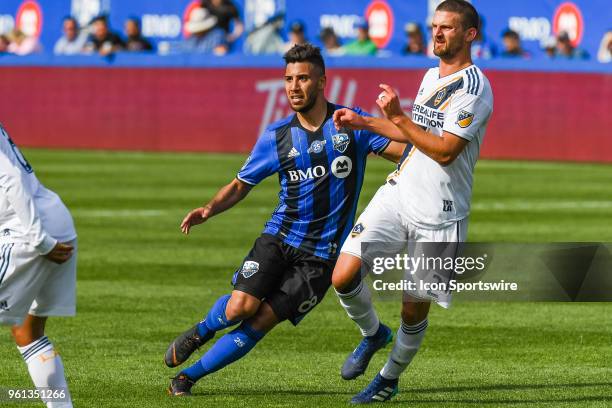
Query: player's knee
(241, 306)
(413, 312)
(29, 331)
(346, 270)
(24, 335)
(265, 319)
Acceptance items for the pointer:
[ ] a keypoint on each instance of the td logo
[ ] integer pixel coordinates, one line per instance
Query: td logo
(30, 18)
(380, 20)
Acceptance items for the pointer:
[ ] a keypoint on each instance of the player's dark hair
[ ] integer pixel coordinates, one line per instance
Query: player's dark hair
(306, 53)
(469, 15)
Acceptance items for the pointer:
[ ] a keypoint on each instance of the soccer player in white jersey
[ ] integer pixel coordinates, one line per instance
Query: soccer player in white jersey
(37, 269)
(427, 199)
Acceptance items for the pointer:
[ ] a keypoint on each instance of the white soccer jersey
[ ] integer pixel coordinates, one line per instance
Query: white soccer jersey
(29, 212)
(434, 196)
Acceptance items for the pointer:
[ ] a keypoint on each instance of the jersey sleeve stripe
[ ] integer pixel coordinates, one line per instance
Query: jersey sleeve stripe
(477, 81)
(383, 148)
(474, 83)
(245, 181)
(469, 82)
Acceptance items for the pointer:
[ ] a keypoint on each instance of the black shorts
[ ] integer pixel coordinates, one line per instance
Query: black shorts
(291, 281)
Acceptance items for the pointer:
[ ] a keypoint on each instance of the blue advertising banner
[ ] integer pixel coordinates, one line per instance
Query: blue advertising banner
(585, 21)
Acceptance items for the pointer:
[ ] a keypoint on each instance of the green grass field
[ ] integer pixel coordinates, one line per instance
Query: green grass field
(141, 282)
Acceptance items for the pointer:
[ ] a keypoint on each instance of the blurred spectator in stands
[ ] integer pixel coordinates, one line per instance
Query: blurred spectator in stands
(415, 40)
(331, 44)
(605, 48)
(4, 43)
(73, 41)
(266, 38)
(512, 45)
(102, 40)
(21, 44)
(297, 34)
(226, 13)
(205, 37)
(363, 45)
(549, 46)
(134, 40)
(565, 49)
(481, 48)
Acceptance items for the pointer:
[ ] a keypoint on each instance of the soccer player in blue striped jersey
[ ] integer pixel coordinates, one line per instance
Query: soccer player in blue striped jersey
(288, 270)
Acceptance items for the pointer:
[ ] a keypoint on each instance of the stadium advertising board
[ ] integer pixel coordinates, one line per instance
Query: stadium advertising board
(167, 108)
(585, 21)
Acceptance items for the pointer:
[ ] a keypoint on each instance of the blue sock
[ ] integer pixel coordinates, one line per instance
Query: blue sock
(216, 320)
(229, 348)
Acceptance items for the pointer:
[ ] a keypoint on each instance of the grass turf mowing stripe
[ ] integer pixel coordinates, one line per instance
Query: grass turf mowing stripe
(141, 283)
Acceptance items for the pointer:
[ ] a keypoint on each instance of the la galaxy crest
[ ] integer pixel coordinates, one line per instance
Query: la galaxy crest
(341, 142)
(439, 97)
(464, 119)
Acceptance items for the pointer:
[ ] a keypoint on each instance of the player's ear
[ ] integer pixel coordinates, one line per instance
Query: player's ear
(470, 34)
(322, 82)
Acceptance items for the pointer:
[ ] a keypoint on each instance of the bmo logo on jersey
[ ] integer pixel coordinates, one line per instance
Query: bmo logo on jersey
(310, 173)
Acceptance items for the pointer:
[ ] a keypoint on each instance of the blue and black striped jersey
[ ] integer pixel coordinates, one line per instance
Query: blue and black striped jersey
(320, 174)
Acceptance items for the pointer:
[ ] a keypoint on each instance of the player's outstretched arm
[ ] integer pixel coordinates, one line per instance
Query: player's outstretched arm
(443, 150)
(348, 118)
(394, 152)
(225, 198)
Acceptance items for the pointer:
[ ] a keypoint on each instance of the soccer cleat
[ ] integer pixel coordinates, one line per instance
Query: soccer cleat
(379, 390)
(184, 345)
(180, 386)
(357, 362)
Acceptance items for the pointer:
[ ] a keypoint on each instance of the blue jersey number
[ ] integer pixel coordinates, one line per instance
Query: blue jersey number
(20, 157)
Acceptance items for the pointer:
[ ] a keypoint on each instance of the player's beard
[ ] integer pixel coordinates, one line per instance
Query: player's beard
(310, 102)
(449, 50)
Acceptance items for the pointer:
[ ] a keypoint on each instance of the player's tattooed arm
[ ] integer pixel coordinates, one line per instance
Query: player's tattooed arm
(226, 198)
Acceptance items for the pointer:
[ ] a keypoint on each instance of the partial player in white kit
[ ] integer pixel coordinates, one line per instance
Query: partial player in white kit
(37, 268)
(427, 199)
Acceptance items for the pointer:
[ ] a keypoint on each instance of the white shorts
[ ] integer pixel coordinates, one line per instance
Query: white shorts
(383, 221)
(31, 284)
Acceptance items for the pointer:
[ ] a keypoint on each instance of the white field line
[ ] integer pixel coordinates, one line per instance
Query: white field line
(540, 205)
(477, 206)
(97, 213)
(146, 213)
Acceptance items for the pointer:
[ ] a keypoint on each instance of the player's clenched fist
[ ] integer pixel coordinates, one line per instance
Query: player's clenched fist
(348, 118)
(60, 253)
(388, 101)
(194, 217)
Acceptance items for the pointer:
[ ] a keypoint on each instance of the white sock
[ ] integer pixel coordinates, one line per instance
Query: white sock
(358, 306)
(407, 343)
(47, 371)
